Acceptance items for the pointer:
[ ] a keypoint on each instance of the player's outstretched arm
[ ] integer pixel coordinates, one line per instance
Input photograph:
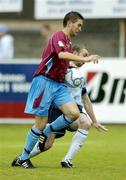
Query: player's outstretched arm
(72, 57)
(89, 109)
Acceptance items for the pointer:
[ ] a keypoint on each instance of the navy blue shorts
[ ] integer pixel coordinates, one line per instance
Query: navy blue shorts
(54, 113)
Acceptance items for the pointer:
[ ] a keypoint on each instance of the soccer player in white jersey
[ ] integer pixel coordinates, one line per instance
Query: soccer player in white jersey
(81, 125)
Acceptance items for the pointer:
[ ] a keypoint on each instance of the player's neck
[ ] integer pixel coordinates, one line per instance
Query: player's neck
(66, 32)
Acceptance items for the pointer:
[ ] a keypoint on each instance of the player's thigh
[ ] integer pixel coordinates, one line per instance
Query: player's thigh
(70, 109)
(65, 102)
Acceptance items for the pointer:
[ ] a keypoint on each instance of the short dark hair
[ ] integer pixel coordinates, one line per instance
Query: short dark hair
(72, 16)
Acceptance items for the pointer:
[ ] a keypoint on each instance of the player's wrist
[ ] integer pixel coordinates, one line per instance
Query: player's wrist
(86, 59)
(95, 122)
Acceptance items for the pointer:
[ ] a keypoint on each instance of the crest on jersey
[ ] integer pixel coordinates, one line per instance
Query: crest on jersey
(60, 43)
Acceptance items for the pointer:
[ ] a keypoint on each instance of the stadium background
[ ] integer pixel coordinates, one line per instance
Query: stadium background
(104, 34)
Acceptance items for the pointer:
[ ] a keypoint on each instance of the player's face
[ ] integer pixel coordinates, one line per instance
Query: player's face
(76, 27)
(84, 52)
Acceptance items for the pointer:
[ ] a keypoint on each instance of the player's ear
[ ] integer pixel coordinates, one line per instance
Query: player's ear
(69, 23)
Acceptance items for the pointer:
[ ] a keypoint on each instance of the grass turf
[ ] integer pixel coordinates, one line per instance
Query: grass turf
(102, 158)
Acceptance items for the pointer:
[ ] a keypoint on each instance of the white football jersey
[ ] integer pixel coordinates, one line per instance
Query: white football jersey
(77, 92)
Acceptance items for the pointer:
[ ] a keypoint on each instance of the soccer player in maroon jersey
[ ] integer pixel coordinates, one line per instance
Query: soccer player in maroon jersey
(81, 125)
(48, 86)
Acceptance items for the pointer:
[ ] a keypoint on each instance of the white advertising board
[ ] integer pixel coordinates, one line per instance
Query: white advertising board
(11, 5)
(56, 9)
(106, 84)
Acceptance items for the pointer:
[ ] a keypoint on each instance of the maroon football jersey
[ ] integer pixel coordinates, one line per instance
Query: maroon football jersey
(51, 66)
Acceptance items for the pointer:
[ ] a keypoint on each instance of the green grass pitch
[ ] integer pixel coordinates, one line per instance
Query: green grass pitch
(103, 156)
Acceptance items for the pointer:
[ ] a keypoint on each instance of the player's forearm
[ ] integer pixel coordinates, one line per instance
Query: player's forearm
(72, 57)
(91, 114)
(89, 109)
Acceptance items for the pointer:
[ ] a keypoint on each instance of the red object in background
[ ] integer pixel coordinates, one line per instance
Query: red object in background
(13, 110)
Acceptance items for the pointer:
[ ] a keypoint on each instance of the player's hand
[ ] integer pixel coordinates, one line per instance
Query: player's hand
(100, 127)
(95, 58)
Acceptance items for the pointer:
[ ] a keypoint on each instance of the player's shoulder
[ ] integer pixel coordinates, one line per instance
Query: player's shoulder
(59, 34)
